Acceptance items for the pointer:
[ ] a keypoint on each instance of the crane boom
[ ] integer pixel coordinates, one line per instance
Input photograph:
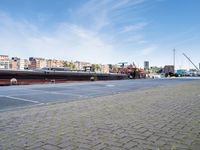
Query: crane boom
(191, 61)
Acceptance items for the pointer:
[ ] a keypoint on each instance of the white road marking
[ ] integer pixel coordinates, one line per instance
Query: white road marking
(194, 78)
(22, 99)
(110, 85)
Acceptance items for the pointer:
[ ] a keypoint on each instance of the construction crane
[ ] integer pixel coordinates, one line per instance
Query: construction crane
(198, 71)
(191, 62)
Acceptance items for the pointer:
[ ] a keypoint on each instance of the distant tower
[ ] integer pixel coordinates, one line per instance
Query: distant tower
(146, 65)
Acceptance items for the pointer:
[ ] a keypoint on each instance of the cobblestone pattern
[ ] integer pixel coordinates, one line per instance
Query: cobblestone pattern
(163, 118)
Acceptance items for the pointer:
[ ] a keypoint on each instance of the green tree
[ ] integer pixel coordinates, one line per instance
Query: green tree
(70, 65)
(96, 67)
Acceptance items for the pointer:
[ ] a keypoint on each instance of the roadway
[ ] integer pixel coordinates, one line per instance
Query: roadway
(23, 96)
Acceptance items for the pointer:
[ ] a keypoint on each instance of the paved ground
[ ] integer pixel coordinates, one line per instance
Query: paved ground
(158, 118)
(12, 97)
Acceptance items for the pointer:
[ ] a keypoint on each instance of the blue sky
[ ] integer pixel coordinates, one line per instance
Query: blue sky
(102, 31)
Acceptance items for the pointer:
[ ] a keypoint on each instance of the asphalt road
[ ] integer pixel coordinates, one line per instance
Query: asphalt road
(15, 97)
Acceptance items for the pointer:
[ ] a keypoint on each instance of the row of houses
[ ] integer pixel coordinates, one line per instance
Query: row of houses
(32, 63)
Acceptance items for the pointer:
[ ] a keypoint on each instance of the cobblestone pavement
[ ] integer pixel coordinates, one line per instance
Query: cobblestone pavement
(161, 118)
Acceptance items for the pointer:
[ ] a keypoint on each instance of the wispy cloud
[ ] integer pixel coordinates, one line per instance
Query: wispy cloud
(137, 39)
(135, 27)
(83, 39)
(148, 50)
(67, 41)
(105, 12)
(126, 3)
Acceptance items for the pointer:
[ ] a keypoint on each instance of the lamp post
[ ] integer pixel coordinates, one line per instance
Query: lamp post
(174, 59)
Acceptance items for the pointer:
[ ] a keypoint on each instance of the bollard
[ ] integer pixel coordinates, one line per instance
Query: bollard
(13, 81)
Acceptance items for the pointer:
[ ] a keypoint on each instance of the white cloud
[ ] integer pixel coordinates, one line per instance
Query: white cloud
(73, 41)
(137, 39)
(148, 50)
(67, 41)
(124, 3)
(135, 27)
(102, 13)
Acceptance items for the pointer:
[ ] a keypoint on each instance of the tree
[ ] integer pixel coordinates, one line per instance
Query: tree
(70, 65)
(96, 67)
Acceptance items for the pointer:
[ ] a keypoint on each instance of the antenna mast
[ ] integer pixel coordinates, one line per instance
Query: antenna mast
(174, 59)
